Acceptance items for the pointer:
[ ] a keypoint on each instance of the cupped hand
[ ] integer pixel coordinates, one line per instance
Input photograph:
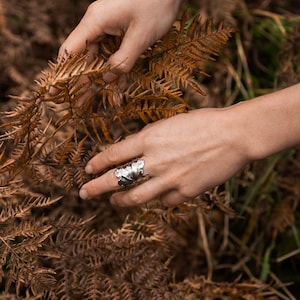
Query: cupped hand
(142, 21)
(184, 156)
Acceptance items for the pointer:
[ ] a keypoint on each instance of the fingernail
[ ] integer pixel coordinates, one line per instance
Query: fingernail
(83, 194)
(52, 91)
(89, 169)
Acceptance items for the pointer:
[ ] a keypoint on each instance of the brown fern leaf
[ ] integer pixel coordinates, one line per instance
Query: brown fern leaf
(69, 221)
(149, 110)
(23, 121)
(25, 229)
(64, 163)
(18, 203)
(14, 211)
(199, 287)
(96, 128)
(8, 190)
(41, 281)
(64, 288)
(47, 140)
(291, 184)
(283, 215)
(124, 254)
(4, 258)
(188, 53)
(45, 120)
(67, 176)
(18, 159)
(67, 70)
(126, 291)
(93, 282)
(25, 242)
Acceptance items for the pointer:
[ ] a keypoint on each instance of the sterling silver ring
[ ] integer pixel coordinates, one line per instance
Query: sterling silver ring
(131, 172)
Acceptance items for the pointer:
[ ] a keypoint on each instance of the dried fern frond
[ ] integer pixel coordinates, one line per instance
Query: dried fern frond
(185, 55)
(283, 215)
(46, 141)
(20, 252)
(199, 288)
(62, 108)
(22, 236)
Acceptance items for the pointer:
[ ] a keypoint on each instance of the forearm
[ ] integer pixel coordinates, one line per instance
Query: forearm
(269, 123)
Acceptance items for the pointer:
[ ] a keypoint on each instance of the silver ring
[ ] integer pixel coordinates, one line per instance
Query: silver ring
(130, 173)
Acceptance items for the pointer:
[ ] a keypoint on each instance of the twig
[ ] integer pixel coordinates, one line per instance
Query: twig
(205, 245)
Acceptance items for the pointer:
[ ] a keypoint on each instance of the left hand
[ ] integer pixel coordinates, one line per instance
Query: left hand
(184, 156)
(143, 22)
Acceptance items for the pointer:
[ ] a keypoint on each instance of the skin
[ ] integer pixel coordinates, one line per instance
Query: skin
(143, 22)
(190, 153)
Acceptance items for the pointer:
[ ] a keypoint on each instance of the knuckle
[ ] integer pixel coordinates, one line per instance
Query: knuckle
(112, 155)
(134, 198)
(146, 138)
(124, 67)
(185, 192)
(110, 180)
(120, 66)
(92, 189)
(92, 8)
(167, 203)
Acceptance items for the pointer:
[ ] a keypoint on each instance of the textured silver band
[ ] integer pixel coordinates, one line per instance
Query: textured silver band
(130, 173)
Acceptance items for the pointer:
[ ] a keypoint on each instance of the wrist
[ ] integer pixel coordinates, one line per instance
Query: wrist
(245, 136)
(267, 124)
(234, 133)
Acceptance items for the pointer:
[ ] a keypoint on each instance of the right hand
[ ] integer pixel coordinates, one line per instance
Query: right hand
(184, 156)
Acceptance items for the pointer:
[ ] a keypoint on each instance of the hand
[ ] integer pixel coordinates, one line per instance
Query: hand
(184, 156)
(142, 21)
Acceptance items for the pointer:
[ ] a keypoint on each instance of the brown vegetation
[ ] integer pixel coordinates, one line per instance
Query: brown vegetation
(238, 241)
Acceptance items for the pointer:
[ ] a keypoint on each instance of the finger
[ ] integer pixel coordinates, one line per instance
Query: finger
(115, 154)
(140, 194)
(92, 52)
(173, 198)
(134, 43)
(98, 186)
(105, 183)
(76, 42)
(84, 32)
